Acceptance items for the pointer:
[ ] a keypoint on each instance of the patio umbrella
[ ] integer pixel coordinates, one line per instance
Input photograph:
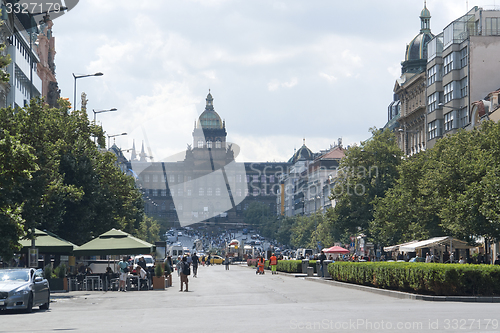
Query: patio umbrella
(115, 242)
(336, 249)
(48, 243)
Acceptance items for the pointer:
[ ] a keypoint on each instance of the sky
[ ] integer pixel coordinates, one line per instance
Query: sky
(279, 71)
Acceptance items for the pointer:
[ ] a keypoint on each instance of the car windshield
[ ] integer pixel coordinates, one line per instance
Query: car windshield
(149, 260)
(14, 275)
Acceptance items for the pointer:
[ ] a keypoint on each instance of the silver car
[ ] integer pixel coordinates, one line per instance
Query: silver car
(23, 288)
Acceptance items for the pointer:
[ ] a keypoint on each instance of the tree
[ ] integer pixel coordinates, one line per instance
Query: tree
(17, 163)
(364, 175)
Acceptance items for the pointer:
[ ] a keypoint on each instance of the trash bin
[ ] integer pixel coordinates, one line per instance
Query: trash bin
(325, 268)
(305, 264)
(310, 271)
(318, 270)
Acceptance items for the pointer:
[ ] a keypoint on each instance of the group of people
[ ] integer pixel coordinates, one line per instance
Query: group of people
(140, 270)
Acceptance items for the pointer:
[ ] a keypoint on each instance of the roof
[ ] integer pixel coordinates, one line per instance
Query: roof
(209, 118)
(49, 243)
(336, 153)
(436, 242)
(115, 242)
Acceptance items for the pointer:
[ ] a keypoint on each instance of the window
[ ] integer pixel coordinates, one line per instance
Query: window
(155, 178)
(431, 75)
(188, 178)
(209, 191)
(463, 57)
(463, 87)
(209, 144)
(492, 26)
(172, 206)
(172, 178)
(163, 178)
(448, 92)
(271, 179)
(448, 63)
(238, 178)
(255, 178)
(180, 192)
(146, 178)
(200, 143)
(201, 192)
(263, 179)
(163, 193)
(218, 144)
(163, 207)
(238, 192)
(255, 192)
(154, 193)
(432, 102)
(217, 192)
(463, 117)
(248, 179)
(433, 129)
(448, 121)
(189, 192)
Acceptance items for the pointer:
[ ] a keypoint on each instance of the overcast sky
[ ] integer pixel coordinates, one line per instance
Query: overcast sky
(279, 71)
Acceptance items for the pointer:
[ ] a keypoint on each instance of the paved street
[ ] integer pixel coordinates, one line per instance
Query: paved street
(240, 301)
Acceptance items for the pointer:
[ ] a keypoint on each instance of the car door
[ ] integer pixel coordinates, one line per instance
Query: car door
(41, 287)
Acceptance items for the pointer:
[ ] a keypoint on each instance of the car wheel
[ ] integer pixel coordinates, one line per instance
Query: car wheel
(29, 306)
(46, 306)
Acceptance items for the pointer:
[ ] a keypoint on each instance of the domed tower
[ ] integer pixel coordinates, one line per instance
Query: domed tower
(209, 130)
(303, 154)
(416, 52)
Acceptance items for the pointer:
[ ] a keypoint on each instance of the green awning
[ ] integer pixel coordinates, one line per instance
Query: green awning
(48, 243)
(115, 242)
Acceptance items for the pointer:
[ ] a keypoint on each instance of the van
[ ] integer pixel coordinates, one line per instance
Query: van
(150, 262)
(303, 253)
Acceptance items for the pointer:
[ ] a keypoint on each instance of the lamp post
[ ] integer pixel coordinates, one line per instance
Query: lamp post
(102, 111)
(115, 135)
(76, 76)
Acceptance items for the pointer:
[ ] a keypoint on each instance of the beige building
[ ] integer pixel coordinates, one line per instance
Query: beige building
(407, 112)
(459, 66)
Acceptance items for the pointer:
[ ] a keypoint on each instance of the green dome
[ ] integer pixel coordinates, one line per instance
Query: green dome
(209, 118)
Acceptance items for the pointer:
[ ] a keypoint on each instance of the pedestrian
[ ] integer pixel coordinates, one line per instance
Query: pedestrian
(273, 262)
(260, 264)
(123, 266)
(142, 263)
(427, 258)
(208, 259)
(195, 260)
(497, 261)
(178, 265)
(203, 260)
(226, 262)
(185, 272)
(322, 257)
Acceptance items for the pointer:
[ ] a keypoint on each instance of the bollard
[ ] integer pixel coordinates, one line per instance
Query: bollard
(310, 271)
(325, 268)
(305, 264)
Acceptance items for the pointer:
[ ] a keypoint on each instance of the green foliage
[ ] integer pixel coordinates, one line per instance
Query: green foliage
(159, 270)
(289, 266)
(73, 190)
(60, 271)
(149, 230)
(17, 164)
(365, 174)
(450, 189)
(48, 272)
(436, 279)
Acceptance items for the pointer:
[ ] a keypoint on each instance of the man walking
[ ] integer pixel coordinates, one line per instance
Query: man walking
(185, 272)
(195, 260)
(123, 266)
(322, 257)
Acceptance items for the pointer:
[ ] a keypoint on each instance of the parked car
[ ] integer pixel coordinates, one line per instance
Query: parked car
(23, 288)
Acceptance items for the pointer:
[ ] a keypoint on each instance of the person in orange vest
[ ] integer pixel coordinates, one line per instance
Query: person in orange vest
(273, 262)
(261, 265)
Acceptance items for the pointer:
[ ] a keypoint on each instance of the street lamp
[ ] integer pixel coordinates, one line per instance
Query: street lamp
(79, 77)
(102, 111)
(115, 135)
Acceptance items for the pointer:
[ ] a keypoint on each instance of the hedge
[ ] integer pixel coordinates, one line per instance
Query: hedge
(289, 266)
(426, 278)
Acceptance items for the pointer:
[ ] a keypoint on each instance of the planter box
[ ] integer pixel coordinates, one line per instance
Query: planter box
(158, 282)
(56, 284)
